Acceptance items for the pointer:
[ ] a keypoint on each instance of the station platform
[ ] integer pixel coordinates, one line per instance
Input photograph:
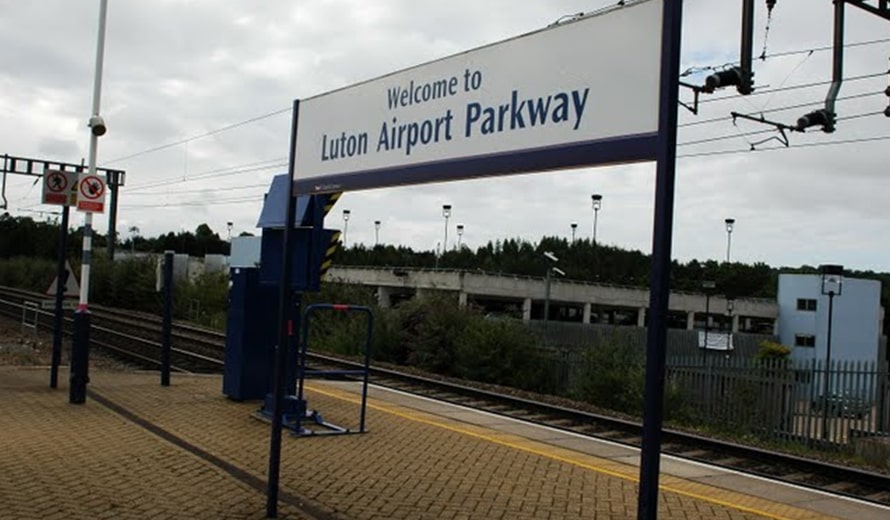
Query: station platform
(139, 450)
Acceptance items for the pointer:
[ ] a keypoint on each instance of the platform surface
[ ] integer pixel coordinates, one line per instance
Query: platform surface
(139, 450)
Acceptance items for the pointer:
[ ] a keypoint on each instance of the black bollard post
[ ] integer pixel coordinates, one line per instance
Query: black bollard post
(80, 357)
(168, 318)
(62, 275)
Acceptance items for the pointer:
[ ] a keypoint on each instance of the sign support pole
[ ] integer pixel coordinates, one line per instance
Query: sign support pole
(80, 345)
(62, 275)
(656, 342)
(281, 356)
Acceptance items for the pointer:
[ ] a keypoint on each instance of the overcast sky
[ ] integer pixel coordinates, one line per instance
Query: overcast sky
(197, 97)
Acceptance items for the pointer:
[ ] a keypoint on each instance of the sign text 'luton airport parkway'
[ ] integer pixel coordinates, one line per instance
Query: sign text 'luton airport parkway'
(580, 93)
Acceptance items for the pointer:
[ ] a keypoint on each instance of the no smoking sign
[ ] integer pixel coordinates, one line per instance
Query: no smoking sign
(91, 193)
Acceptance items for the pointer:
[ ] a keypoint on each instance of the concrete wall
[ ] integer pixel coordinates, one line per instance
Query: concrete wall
(524, 290)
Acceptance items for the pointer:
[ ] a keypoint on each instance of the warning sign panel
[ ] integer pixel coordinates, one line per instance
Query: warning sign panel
(71, 287)
(59, 187)
(91, 193)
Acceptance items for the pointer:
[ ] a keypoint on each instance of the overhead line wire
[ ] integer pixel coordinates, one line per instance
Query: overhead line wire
(804, 145)
(199, 136)
(793, 87)
(779, 109)
(212, 174)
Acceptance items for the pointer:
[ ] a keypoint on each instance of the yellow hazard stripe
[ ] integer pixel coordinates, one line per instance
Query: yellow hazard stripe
(334, 197)
(328, 260)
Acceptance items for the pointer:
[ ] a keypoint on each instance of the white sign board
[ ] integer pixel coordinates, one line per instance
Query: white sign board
(715, 341)
(91, 193)
(59, 187)
(580, 93)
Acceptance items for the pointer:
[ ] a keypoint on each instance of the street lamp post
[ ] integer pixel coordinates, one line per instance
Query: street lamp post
(376, 232)
(134, 230)
(730, 223)
(460, 234)
(708, 286)
(730, 306)
(832, 285)
(597, 202)
(551, 268)
(346, 214)
(446, 212)
(574, 229)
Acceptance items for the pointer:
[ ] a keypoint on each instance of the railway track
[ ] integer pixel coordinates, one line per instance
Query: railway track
(132, 337)
(135, 337)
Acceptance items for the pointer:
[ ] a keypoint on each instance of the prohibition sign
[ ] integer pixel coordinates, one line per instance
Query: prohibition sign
(57, 182)
(92, 188)
(91, 194)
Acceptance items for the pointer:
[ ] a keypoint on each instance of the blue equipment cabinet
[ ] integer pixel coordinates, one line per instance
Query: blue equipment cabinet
(309, 251)
(251, 334)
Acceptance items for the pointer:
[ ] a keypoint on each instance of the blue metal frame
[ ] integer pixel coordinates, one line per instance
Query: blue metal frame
(303, 372)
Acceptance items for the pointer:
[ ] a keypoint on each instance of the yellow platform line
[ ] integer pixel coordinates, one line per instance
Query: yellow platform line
(603, 466)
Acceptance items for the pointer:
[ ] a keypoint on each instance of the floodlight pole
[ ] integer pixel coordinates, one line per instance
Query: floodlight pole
(672, 23)
(80, 343)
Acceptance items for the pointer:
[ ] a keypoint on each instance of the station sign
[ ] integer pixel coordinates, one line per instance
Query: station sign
(60, 187)
(91, 193)
(583, 92)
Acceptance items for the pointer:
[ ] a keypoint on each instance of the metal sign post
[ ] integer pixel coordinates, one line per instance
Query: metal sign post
(80, 345)
(283, 333)
(662, 237)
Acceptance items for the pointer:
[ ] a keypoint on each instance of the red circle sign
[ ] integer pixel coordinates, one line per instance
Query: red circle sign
(92, 187)
(56, 182)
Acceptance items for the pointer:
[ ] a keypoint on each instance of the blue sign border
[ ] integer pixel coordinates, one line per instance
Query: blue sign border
(600, 152)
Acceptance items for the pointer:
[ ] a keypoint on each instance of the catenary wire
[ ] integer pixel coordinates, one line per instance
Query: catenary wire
(804, 145)
(199, 136)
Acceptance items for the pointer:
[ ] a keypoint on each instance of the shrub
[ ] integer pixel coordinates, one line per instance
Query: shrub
(612, 378)
(771, 350)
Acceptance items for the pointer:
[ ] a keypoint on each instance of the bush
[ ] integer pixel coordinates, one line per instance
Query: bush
(612, 378)
(502, 352)
(30, 274)
(771, 350)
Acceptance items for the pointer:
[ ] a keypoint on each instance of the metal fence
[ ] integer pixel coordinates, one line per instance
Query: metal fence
(781, 400)
(808, 402)
(680, 342)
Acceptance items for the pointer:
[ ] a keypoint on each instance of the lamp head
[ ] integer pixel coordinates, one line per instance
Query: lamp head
(596, 200)
(550, 256)
(832, 279)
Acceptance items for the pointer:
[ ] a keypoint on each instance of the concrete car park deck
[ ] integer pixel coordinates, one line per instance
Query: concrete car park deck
(139, 450)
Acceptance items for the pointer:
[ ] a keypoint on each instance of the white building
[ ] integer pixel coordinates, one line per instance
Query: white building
(856, 318)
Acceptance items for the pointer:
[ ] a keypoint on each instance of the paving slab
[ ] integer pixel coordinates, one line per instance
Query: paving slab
(139, 450)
